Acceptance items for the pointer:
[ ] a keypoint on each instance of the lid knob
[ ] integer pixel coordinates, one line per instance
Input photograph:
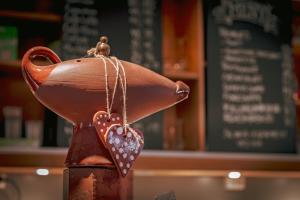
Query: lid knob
(102, 48)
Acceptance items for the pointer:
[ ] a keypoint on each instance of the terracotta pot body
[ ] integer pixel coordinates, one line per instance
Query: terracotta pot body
(75, 89)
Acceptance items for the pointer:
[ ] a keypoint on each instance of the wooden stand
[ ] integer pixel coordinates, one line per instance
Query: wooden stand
(90, 173)
(96, 183)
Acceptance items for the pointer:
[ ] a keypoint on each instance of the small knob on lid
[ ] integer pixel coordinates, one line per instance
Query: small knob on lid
(103, 39)
(102, 47)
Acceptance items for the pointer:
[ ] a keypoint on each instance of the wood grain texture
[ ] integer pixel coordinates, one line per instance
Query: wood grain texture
(183, 39)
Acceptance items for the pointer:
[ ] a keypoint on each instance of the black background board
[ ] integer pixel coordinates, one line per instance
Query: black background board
(249, 76)
(133, 28)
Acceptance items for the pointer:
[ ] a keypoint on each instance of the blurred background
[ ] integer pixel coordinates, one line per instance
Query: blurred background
(236, 137)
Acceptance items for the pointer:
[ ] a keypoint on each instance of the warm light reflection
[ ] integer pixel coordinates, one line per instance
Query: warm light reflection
(234, 175)
(42, 172)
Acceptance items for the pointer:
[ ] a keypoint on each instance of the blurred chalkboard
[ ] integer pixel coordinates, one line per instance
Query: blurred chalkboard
(134, 31)
(132, 26)
(249, 76)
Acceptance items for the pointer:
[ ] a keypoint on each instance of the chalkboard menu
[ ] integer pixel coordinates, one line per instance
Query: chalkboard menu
(79, 28)
(134, 31)
(249, 76)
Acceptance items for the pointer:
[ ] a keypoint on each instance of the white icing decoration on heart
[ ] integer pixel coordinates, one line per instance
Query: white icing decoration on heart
(129, 134)
(124, 171)
(124, 155)
(131, 157)
(120, 130)
(128, 165)
(121, 150)
(113, 149)
(117, 141)
(121, 164)
(117, 156)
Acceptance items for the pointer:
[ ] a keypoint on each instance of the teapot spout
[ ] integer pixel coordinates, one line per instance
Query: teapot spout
(182, 91)
(37, 64)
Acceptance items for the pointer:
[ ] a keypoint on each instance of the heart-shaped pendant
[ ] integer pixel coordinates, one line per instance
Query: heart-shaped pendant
(124, 146)
(102, 122)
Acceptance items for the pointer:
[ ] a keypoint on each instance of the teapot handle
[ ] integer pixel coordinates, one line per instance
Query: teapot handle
(34, 75)
(39, 51)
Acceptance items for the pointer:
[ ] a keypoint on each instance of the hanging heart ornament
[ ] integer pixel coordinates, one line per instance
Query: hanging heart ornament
(124, 146)
(102, 122)
(123, 142)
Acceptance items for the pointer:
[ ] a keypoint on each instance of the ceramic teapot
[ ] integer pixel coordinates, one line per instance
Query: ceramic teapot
(75, 89)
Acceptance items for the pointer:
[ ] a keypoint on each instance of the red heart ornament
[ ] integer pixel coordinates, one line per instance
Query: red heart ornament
(123, 147)
(102, 122)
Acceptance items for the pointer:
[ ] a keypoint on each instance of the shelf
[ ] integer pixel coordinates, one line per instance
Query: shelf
(183, 75)
(34, 16)
(32, 157)
(10, 64)
(217, 161)
(10, 67)
(163, 162)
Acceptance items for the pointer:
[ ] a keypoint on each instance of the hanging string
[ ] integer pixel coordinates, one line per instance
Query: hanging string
(115, 86)
(102, 51)
(124, 89)
(123, 82)
(109, 104)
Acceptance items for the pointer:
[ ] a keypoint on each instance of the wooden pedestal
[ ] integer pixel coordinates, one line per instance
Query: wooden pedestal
(90, 173)
(96, 183)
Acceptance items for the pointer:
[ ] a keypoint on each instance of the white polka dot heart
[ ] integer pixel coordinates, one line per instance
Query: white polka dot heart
(102, 122)
(124, 147)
